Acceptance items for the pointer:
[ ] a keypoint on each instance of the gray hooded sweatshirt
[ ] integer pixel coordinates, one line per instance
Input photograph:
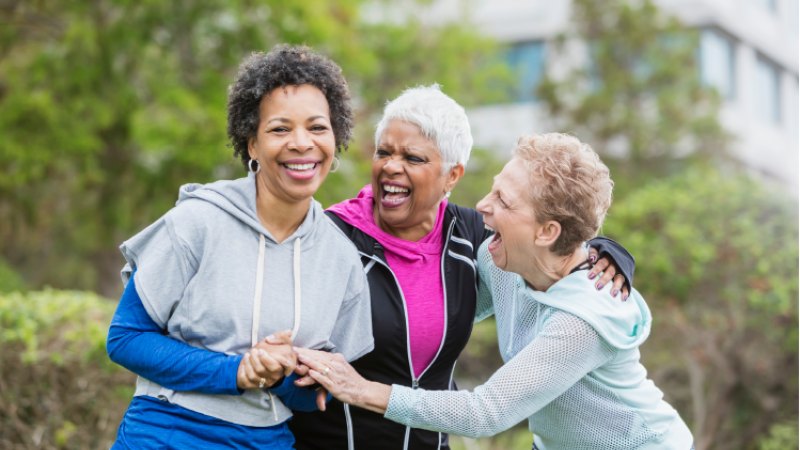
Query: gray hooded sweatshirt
(212, 276)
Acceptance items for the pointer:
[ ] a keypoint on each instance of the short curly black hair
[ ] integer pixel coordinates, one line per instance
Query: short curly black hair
(285, 65)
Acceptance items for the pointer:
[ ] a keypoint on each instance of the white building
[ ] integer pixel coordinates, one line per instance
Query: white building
(748, 51)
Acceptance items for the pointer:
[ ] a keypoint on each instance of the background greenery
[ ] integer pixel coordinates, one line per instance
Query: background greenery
(108, 106)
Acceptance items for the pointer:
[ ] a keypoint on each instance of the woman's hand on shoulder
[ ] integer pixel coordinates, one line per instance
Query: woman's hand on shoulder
(267, 362)
(609, 271)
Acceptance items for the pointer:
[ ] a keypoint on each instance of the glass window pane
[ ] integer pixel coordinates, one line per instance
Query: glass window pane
(768, 104)
(527, 61)
(717, 63)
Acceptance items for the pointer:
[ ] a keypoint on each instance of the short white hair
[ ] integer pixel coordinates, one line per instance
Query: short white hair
(440, 118)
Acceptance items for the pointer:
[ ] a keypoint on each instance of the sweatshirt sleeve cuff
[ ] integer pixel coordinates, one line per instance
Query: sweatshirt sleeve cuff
(228, 374)
(285, 387)
(401, 404)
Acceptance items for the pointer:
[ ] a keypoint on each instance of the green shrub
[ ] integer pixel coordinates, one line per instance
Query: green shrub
(9, 279)
(717, 262)
(58, 389)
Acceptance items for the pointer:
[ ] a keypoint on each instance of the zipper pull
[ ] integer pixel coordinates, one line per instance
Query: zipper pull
(415, 384)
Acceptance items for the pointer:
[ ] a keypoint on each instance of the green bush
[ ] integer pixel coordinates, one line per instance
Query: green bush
(58, 389)
(717, 262)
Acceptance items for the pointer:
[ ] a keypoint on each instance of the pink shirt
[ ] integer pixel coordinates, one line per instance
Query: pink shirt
(417, 266)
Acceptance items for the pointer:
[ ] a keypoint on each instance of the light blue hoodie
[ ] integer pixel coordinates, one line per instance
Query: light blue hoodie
(572, 368)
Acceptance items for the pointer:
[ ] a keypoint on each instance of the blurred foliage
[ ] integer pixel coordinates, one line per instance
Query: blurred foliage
(638, 94)
(718, 265)
(58, 389)
(9, 278)
(108, 106)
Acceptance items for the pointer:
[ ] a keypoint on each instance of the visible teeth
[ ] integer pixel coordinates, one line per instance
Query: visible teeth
(393, 189)
(300, 167)
(488, 227)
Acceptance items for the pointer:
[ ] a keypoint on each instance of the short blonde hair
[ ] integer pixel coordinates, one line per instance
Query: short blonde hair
(568, 184)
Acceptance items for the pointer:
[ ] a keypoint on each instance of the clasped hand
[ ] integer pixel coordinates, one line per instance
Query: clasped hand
(270, 360)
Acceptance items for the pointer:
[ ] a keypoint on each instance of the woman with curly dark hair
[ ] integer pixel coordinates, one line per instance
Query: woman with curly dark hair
(219, 276)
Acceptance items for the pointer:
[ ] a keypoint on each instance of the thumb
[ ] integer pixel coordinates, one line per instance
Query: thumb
(322, 399)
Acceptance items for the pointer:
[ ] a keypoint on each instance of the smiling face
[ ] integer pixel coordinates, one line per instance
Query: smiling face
(294, 144)
(407, 178)
(508, 211)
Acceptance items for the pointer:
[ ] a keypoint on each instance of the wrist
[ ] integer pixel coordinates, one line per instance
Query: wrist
(376, 397)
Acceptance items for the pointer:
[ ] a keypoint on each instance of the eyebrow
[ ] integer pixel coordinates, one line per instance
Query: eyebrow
(286, 119)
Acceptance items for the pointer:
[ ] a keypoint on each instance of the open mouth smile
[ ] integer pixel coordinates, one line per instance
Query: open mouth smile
(497, 239)
(394, 194)
(300, 169)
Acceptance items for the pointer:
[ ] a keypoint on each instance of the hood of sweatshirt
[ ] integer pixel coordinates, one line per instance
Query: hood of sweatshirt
(625, 325)
(238, 198)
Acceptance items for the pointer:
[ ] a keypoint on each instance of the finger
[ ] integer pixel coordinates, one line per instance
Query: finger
(593, 255)
(301, 370)
(280, 338)
(599, 267)
(619, 280)
(305, 381)
(312, 363)
(607, 278)
(284, 365)
(249, 372)
(242, 382)
(255, 361)
(322, 399)
(325, 381)
(271, 364)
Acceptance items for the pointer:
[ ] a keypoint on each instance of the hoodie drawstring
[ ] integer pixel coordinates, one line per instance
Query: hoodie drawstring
(257, 299)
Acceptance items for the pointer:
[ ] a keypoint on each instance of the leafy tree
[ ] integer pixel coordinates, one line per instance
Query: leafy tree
(718, 265)
(108, 106)
(637, 94)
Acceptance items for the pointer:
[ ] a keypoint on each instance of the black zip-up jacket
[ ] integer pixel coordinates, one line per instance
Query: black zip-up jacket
(344, 427)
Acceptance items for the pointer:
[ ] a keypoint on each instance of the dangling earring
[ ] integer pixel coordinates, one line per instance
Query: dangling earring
(250, 165)
(334, 165)
(447, 195)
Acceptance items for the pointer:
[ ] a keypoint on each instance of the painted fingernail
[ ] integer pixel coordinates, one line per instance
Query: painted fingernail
(270, 338)
(599, 286)
(614, 292)
(592, 259)
(624, 297)
(592, 275)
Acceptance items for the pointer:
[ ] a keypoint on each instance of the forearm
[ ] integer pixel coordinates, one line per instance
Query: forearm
(375, 398)
(173, 364)
(137, 343)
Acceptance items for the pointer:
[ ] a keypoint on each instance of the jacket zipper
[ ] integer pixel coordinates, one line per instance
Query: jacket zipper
(415, 380)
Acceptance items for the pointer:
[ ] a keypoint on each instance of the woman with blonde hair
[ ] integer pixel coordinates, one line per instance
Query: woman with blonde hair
(571, 351)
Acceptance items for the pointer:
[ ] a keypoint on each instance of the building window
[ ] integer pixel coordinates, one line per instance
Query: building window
(768, 98)
(527, 63)
(717, 68)
(768, 4)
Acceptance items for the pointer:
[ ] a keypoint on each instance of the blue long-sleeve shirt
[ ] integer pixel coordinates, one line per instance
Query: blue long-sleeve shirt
(137, 343)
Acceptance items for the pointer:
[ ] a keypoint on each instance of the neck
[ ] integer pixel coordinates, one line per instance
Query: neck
(280, 217)
(412, 233)
(547, 268)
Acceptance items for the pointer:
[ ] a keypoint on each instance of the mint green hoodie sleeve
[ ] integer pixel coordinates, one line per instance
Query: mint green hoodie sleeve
(485, 306)
(563, 353)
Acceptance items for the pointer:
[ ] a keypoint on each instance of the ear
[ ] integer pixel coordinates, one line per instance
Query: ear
(251, 147)
(547, 233)
(453, 176)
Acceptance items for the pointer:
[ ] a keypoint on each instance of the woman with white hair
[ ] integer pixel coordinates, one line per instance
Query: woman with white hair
(419, 254)
(571, 352)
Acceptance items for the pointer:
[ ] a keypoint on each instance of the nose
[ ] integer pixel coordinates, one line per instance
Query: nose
(393, 166)
(483, 206)
(301, 140)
